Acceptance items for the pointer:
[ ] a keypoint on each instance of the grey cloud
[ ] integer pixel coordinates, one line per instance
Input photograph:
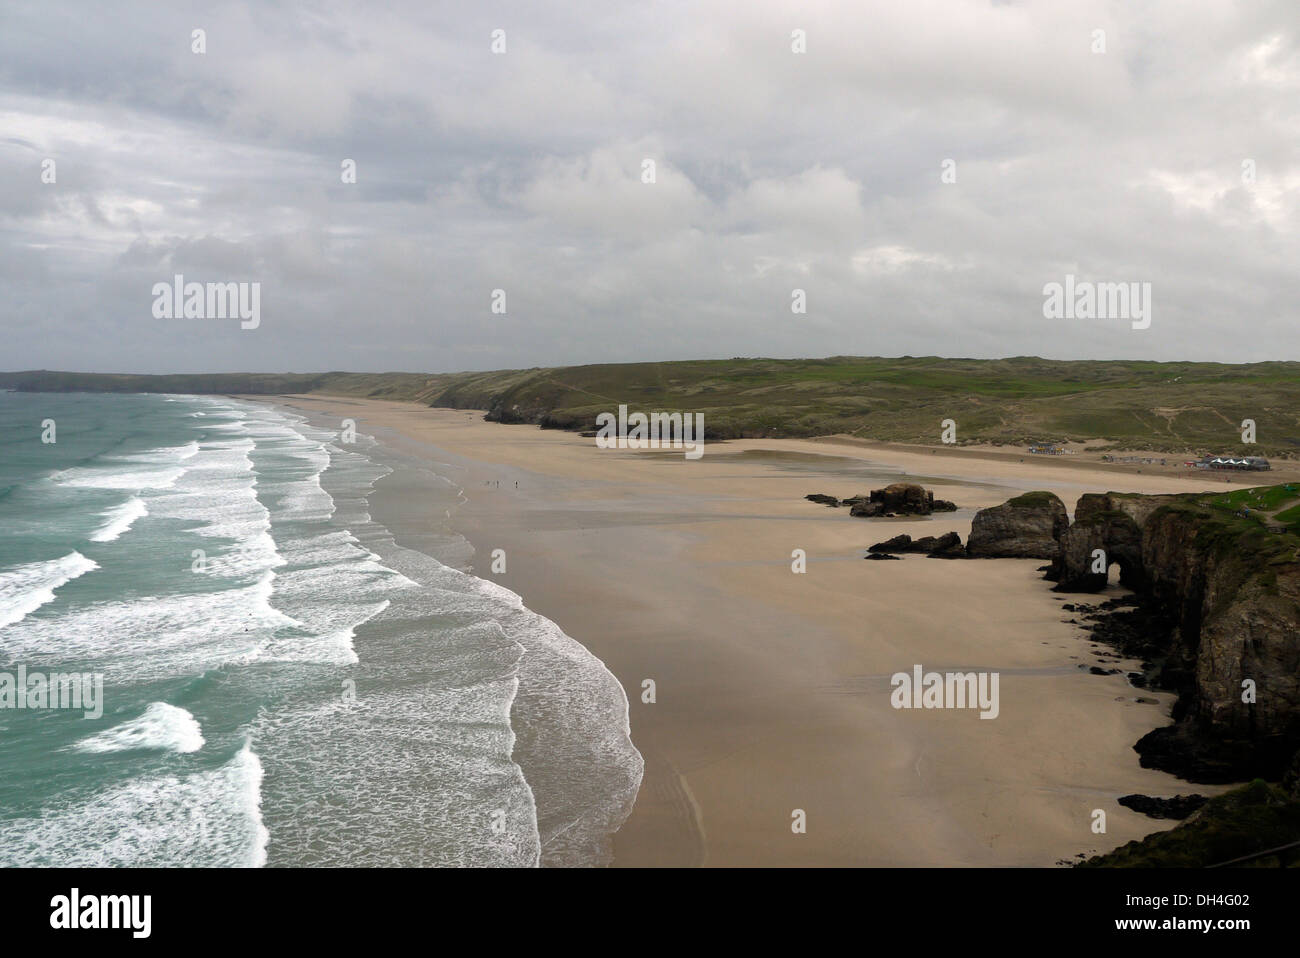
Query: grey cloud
(774, 170)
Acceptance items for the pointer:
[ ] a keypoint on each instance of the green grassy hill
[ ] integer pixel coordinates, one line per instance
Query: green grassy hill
(1174, 407)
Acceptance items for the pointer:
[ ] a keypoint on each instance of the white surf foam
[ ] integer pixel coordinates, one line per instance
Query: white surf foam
(567, 691)
(211, 818)
(134, 479)
(575, 709)
(448, 745)
(162, 454)
(162, 726)
(219, 492)
(153, 637)
(120, 519)
(25, 589)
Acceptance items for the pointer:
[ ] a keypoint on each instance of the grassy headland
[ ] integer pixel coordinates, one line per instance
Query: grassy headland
(1171, 407)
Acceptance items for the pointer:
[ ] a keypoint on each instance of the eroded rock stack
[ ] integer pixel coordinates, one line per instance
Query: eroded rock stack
(1029, 526)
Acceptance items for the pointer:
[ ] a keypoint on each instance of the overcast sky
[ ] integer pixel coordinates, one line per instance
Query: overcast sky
(775, 170)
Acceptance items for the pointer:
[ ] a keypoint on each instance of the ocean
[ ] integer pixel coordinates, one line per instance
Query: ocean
(283, 684)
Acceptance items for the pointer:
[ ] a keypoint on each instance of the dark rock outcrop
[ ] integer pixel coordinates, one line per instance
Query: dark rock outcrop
(901, 543)
(904, 498)
(947, 545)
(1176, 808)
(897, 499)
(1026, 527)
(824, 499)
(1199, 752)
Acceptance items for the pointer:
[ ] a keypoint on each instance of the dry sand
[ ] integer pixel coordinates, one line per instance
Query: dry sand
(772, 688)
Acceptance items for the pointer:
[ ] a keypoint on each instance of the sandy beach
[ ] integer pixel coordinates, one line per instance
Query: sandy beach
(771, 688)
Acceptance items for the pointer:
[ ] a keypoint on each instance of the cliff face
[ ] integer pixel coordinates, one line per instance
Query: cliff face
(1229, 592)
(1234, 596)
(1251, 633)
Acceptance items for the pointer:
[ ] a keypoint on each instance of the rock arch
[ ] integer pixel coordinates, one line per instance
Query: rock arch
(1100, 523)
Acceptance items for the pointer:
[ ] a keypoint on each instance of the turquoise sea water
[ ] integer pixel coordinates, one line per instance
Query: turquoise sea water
(282, 683)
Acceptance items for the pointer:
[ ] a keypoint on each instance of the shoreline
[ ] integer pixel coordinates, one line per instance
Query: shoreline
(772, 688)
